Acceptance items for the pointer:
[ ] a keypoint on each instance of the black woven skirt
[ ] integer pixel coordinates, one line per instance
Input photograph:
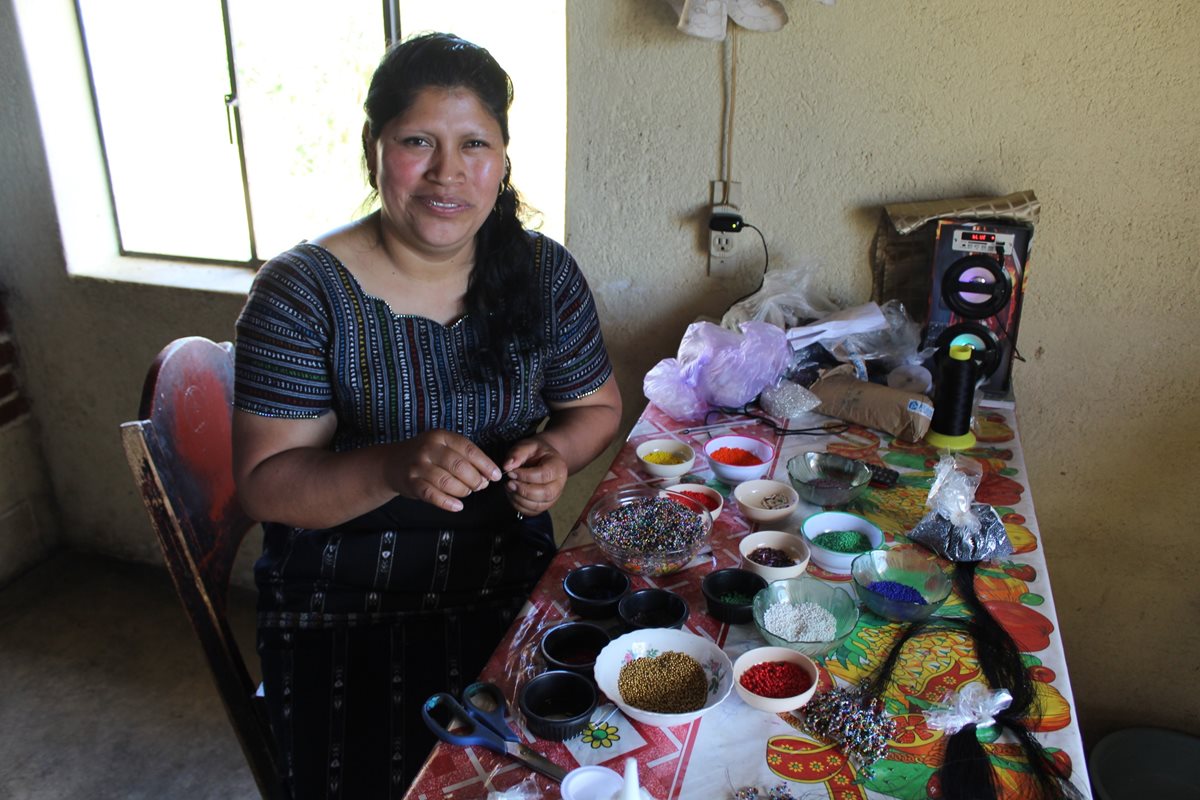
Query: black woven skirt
(349, 657)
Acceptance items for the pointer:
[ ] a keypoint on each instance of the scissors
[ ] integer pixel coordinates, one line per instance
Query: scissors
(478, 721)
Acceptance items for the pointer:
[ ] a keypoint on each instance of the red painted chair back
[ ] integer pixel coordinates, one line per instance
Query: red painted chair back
(181, 453)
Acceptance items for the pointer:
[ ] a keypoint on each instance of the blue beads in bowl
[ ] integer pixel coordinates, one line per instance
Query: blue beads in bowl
(903, 583)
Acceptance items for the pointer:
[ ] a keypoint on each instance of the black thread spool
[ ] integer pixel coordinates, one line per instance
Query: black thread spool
(950, 428)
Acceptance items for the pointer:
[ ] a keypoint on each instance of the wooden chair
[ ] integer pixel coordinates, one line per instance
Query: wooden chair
(181, 454)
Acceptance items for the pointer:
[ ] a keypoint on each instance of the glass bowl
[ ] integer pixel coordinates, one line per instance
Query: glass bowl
(795, 591)
(910, 566)
(646, 531)
(651, 642)
(827, 479)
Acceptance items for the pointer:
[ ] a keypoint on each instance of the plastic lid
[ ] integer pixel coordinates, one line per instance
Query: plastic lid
(591, 783)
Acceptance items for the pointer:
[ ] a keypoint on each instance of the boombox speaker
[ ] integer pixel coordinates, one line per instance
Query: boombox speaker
(978, 281)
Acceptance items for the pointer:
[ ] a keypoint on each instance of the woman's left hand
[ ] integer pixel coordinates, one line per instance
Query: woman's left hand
(536, 475)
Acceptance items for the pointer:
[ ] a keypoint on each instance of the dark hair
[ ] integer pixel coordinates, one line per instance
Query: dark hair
(502, 299)
(966, 770)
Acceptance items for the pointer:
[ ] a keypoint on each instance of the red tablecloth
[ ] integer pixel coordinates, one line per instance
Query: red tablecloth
(736, 746)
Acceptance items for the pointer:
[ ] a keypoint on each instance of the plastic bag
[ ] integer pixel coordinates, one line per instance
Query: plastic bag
(785, 300)
(718, 368)
(525, 790)
(787, 400)
(893, 346)
(667, 387)
(958, 528)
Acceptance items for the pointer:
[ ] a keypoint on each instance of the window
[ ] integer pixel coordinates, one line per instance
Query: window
(231, 129)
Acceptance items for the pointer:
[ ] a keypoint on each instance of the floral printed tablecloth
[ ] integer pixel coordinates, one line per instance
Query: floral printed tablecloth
(735, 746)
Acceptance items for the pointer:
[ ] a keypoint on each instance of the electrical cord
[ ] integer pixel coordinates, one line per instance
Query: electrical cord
(829, 428)
(766, 265)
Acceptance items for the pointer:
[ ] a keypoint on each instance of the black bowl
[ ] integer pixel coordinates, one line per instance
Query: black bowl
(573, 646)
(594, 590)
(718, 586)
(557, 704)
(652, 608)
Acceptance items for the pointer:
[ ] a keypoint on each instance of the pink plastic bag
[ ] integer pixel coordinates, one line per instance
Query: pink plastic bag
(718, 368)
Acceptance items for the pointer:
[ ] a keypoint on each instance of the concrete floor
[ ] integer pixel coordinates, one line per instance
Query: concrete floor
(104, 692)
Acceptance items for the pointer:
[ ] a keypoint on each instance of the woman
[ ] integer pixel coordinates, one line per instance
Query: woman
(392, 376)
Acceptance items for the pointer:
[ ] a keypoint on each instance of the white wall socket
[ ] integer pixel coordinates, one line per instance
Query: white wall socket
(722, 246)
(724, 197)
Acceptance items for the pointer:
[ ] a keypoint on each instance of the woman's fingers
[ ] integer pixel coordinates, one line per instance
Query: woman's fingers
(441, 467)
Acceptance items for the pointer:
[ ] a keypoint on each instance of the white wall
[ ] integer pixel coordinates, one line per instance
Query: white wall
(1093, 104)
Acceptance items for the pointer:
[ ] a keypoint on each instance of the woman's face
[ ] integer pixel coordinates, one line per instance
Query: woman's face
(438, 167)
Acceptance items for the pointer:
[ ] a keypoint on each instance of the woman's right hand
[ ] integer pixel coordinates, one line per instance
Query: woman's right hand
(287, 472)
(439, 467)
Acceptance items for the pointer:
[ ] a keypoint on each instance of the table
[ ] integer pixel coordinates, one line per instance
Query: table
(735, 746)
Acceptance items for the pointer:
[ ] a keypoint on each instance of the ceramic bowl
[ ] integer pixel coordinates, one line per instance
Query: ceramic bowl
(827, 479)
(713, 501)
(825, 521)
(683, 455)
(774, 705)
(557, 704)
(792, 544)
(807, 589)
(651, 642)
(910, 565)
(573, 646)
(594, 590)
(652, 608)
(729, 594)
(765, 500)
(732, 474)
(628, 526)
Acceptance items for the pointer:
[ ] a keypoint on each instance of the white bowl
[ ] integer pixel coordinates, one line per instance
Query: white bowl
(792, 543)
(650, 642)
(712, 494)
(732, 474)
(751, 494)
(774, 705)
(824, 521)
(674, 446)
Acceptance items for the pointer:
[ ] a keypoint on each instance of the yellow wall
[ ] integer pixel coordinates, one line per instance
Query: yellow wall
(1093, 104)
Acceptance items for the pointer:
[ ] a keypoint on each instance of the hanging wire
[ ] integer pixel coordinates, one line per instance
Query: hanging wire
(825, 429)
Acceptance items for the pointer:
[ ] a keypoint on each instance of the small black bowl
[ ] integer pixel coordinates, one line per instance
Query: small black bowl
(557, 704)
(719, 585)
(652, 608)
(594, 590)
(573, 646)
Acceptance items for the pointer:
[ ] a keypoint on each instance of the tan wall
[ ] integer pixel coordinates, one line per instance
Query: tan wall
(1093, 104)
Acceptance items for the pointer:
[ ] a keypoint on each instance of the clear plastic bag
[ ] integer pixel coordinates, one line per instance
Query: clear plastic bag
(896, 345)
(957, 528)
(785, 299)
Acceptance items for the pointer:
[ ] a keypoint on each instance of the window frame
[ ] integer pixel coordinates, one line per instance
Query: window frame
(390, 15)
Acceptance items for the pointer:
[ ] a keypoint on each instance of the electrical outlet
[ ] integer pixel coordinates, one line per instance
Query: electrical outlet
(722, 246)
